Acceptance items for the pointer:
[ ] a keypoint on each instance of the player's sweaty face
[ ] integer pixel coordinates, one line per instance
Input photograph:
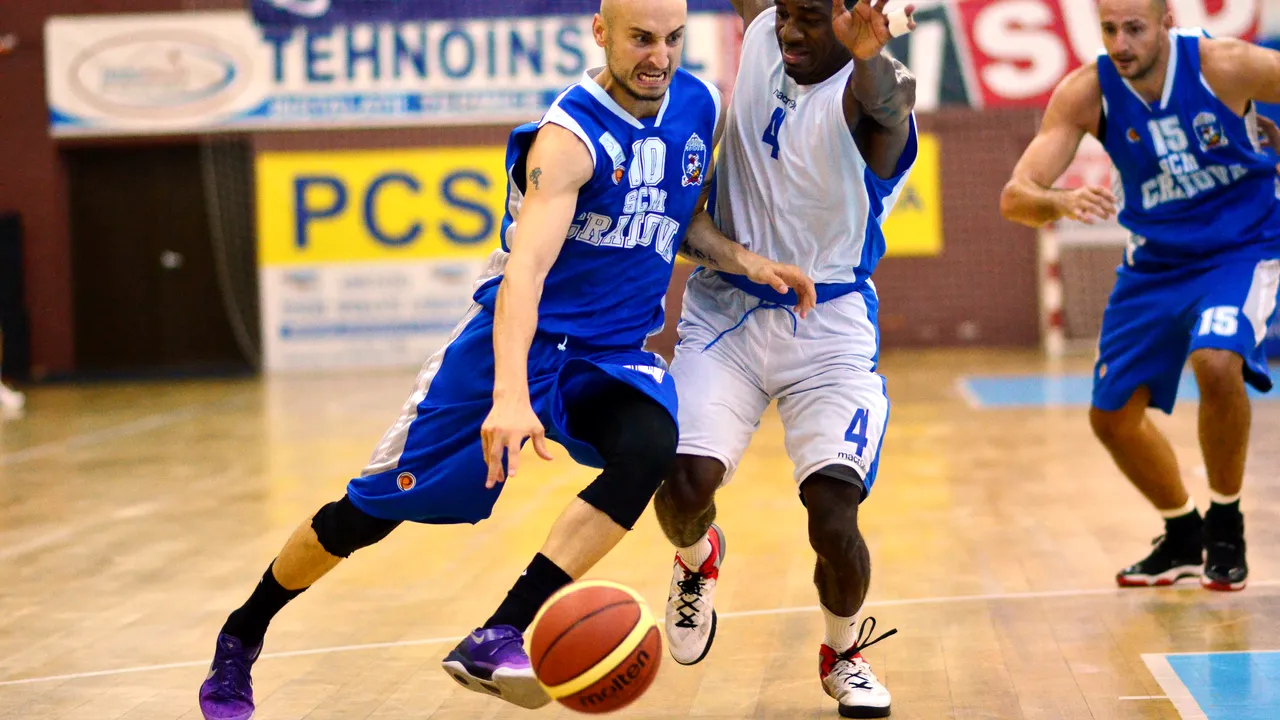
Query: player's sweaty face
(643, 47)
(810, 50)
(1133, 32)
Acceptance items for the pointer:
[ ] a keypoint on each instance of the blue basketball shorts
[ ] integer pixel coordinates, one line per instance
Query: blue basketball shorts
(1156, 319)
(429, 466)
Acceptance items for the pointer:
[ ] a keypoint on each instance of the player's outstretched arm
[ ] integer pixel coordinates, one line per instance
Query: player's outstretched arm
(558, 166)
(1029, 198)
(704, 244)
(881, 93)
(750, 9)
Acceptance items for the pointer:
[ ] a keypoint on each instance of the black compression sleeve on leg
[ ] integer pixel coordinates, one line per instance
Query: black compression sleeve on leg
(637, 439)
(342, 528)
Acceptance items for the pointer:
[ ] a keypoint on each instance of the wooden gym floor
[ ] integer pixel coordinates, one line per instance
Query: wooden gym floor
(134, 517)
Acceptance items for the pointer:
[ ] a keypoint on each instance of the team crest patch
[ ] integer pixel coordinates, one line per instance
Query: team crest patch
(616, 154)
(1209, 131)
(695, 161)
(1133, 136)
(405, 481)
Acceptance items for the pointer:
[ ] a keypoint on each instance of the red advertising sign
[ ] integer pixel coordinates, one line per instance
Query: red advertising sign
(1021, 49)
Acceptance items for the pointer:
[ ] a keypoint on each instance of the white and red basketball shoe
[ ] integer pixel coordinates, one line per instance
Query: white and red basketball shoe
(691, 620)
(847, 677)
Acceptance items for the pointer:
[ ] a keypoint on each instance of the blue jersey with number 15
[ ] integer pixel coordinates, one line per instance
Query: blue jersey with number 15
(1196, 182)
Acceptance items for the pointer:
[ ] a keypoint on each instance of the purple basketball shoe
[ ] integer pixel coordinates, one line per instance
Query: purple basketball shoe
(227, 693)
(493, 661)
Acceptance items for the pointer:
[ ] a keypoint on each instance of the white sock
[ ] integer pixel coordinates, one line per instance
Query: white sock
(1187, 509)
(1223, 499)
(842, 632)
(697, 553)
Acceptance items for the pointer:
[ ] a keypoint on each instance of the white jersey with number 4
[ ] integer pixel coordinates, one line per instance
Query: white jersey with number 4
(794, 187)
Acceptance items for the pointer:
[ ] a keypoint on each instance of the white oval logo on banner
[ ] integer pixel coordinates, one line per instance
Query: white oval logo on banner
(159, 74)
(304, 8)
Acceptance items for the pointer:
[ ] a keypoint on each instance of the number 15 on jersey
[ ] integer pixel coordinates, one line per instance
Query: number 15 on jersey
(772, 129)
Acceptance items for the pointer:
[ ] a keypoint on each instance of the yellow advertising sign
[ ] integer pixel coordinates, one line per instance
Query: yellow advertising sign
(377, 205)
(914, 228)
(366, 205)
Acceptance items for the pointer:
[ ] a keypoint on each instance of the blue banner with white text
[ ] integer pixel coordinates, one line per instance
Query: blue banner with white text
(343, 12)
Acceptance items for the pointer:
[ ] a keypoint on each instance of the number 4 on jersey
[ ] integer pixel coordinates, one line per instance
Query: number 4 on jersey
(774, 127)
(857, 432)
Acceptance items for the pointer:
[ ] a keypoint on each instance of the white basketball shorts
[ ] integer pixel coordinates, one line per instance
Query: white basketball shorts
(738, 353)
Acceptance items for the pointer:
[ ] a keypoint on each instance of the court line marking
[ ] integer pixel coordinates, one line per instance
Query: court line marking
(722, 616)
(1221, 652)
(1144, 697)
(969, 394)
(1183, 701)
(205, 663)
(68, 531)
(141, 425)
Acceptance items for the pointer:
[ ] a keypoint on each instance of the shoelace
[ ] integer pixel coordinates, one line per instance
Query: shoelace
(1160, 548)
(854, 674)
(690, 595)
(856, 671)
(865, 632)
(1233, 550)
(505, 642)
(233, 676)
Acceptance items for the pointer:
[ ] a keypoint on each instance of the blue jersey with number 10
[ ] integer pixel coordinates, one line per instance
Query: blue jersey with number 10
(1196, 182)
(608, 286)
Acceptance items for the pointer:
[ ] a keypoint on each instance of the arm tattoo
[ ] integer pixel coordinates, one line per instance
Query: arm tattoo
(692, 253)
(885, 88)
(534, 176)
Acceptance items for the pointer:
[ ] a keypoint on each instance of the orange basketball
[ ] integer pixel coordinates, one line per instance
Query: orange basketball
(595, 646)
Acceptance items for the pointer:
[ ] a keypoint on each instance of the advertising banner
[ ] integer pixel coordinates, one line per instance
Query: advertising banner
(914, 228)
(367, 63)
(334, 12)
(219, 71)
(367, 258)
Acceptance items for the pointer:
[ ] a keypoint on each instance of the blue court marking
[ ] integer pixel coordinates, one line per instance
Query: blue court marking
(1031, 391)
(1222, 686)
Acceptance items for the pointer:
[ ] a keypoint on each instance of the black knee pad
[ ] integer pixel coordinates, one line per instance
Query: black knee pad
(343, 528)
(621, 494)
(635, 462)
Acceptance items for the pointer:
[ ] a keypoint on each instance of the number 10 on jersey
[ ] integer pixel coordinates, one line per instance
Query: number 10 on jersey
(772, 129)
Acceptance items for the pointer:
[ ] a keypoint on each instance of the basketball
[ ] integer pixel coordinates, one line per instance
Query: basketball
(595, 646)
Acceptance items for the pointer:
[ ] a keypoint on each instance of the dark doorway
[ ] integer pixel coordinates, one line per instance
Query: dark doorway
(148, 300)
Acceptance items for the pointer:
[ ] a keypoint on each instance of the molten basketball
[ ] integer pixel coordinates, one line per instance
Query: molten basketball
(595, 646)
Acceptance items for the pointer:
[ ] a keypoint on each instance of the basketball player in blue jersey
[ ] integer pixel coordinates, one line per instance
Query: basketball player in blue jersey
(819, 140)
(602, 193)
(1199, 278)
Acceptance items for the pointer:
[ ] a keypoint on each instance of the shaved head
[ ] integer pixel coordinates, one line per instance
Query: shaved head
(615, 12)
(1151, 8)
(643, 42)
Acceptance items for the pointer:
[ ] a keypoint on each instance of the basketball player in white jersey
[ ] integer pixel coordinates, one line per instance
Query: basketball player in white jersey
(818, 144)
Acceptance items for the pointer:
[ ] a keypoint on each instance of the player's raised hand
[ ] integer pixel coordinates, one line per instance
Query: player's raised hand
(865, 29)
(1087, 204)
(783, 277)
(505, 429)
(1270, 135)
